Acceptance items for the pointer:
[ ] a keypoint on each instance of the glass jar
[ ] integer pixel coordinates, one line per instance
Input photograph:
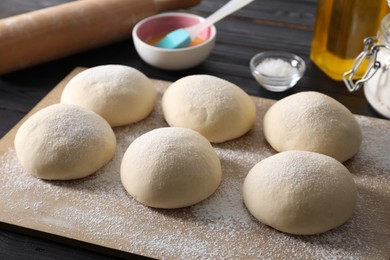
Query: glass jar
(376, 79)
(340, 27)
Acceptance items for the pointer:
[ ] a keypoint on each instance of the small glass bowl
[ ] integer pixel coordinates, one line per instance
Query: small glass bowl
(278, 71)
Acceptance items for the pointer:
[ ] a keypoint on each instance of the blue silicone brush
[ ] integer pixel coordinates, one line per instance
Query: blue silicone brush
(183, 37)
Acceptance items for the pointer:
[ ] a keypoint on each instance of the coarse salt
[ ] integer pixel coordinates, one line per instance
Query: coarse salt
(276, 68)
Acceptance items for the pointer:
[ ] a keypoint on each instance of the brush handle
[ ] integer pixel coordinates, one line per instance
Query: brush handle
(229, 8)
(65, 29)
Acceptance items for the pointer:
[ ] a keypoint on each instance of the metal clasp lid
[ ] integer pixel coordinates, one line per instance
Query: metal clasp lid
(370, 49)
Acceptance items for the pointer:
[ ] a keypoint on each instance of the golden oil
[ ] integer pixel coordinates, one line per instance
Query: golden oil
(340, 28)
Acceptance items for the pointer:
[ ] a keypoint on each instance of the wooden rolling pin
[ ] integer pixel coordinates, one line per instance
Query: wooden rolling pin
(58, 31)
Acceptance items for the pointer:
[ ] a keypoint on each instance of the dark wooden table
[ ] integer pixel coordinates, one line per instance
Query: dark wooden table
(264, 25)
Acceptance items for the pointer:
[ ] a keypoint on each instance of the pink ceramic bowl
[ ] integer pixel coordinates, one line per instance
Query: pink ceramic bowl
(171, 59)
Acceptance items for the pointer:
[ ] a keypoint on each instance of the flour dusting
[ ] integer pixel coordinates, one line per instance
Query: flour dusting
(97, 209)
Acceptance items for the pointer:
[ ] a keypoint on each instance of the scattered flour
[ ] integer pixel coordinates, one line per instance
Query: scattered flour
(97, 209)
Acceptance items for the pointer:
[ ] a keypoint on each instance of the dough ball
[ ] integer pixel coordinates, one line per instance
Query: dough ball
(170, 167)
(214, 107)
(120, 94)
(300, 192)
(63, 142)
(312, 121)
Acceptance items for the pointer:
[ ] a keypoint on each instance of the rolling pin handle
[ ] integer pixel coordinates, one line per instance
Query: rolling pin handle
(163, 5)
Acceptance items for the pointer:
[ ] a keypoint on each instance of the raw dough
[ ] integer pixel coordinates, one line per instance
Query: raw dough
(300, 192)
(120, 94)
(170, 167)
(312, 121)
(63, 142)
(214, 107)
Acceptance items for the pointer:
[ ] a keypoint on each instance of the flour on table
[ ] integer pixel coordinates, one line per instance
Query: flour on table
(98, 210)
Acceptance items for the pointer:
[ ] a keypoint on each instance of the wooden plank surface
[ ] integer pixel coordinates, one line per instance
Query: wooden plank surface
(97, 209)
